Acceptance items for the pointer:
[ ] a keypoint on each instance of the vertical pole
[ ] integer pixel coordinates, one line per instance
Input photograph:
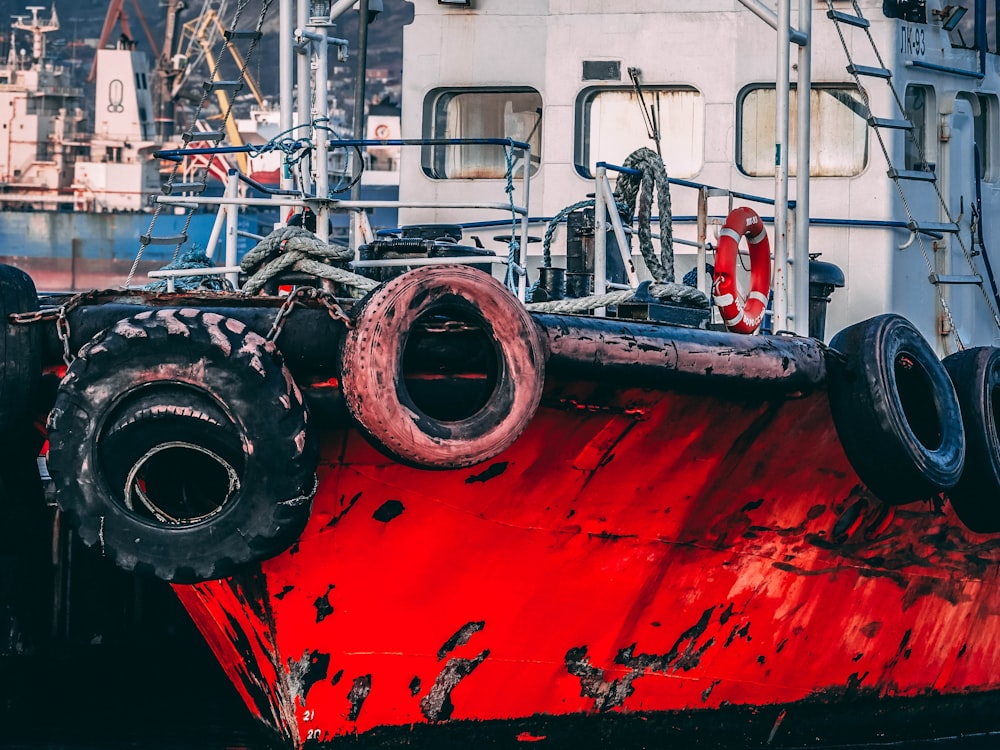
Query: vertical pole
(359, 105)
(600, 236)
(304, 78)
(286, 74)
(800, 256)
(522, 283)
(286, 78)
(321, 137)
(781, 87)
(702, 262)
(232, 224)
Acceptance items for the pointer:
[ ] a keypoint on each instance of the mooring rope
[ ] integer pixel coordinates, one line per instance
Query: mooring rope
(654, 174)
(671, 293)
(628, 189)
(298, 249)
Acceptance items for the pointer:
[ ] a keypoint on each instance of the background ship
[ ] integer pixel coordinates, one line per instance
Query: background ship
(77, 187)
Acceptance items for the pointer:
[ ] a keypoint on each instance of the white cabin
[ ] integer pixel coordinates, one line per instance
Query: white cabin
(556, 74)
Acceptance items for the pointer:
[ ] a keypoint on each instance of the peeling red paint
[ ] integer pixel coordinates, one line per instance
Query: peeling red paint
(660, 551)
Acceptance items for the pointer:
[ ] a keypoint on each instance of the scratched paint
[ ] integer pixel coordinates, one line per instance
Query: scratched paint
(636, 550)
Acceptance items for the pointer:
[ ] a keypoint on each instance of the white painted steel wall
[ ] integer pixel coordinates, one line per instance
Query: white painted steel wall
(719, 48)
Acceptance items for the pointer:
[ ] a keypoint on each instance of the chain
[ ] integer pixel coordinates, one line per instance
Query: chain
(326, 299)
(58, 313)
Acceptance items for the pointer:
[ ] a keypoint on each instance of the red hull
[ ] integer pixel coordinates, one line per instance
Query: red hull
(635, 550)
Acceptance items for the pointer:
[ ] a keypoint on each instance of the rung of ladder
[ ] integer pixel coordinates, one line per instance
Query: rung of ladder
(184, 187)
(941, 278)
(203, 135)
(836, 15)
(231, 34)
(868, 70)
(934, 227)
(911, 174)
(887, 122)
(221, 85)
(177, 239)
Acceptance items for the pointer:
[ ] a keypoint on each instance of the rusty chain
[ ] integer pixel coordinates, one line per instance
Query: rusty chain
(58, 313)
(326, 299)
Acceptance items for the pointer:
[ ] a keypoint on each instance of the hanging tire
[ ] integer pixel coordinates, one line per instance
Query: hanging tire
(20, 348)
(389, 334)
(895, 410)
(976, 497)
(178, 442)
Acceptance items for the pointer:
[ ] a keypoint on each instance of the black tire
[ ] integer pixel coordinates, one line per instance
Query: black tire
(976, 497)
(895, 410)
(178, 442)
(20, 348)
(428, 432)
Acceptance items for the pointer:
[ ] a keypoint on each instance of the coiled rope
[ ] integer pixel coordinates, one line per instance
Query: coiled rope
(654, 174)
(190, 259)
(628, 189)
(298, 249)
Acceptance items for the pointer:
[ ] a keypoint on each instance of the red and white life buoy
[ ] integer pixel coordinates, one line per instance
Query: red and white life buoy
(742, 314)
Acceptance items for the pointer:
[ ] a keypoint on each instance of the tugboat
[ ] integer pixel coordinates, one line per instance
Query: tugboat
(445, 486)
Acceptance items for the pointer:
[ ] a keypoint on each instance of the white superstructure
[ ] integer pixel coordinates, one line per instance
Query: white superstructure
(50, 160)
(557, 74)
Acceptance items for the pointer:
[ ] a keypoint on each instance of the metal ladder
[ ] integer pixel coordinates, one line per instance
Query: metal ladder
(199, 132)
(920, 230)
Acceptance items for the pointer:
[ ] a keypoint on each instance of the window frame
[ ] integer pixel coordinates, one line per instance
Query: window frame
(847, 87)
(433, 158)
(582, 122)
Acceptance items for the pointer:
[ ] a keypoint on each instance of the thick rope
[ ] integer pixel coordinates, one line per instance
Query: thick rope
(627, 187)
(297, 249)
(677, 294)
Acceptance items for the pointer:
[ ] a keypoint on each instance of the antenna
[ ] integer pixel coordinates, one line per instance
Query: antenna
(649, 115)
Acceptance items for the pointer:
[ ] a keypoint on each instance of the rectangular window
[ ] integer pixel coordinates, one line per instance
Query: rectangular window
(611, 125)
(839, 131)
(480, 113)
(917, 102)
(985, 124)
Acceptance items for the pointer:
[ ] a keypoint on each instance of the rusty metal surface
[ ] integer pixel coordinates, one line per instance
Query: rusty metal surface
(632, 352)
(636, 550)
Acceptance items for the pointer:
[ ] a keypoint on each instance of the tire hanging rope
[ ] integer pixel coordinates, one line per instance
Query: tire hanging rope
(631, 190)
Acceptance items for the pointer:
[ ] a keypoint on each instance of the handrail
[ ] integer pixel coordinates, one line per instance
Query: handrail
(323, 204)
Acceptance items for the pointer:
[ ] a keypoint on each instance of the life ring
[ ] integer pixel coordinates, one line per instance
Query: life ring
(429, 432)
(976, 496)
(742, 314)
(20, 348)
(178, 441)
(895, 410)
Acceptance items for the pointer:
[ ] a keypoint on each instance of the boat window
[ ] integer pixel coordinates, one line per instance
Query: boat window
(480, 113)
(960, 21)
(838, 138)
(918, 103)
(985, 123)
(610, 126)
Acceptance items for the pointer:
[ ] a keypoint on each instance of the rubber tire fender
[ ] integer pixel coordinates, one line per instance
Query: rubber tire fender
(201, 379)
(895, 410)
(372, 367)
(20, 347)
(976, 496)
